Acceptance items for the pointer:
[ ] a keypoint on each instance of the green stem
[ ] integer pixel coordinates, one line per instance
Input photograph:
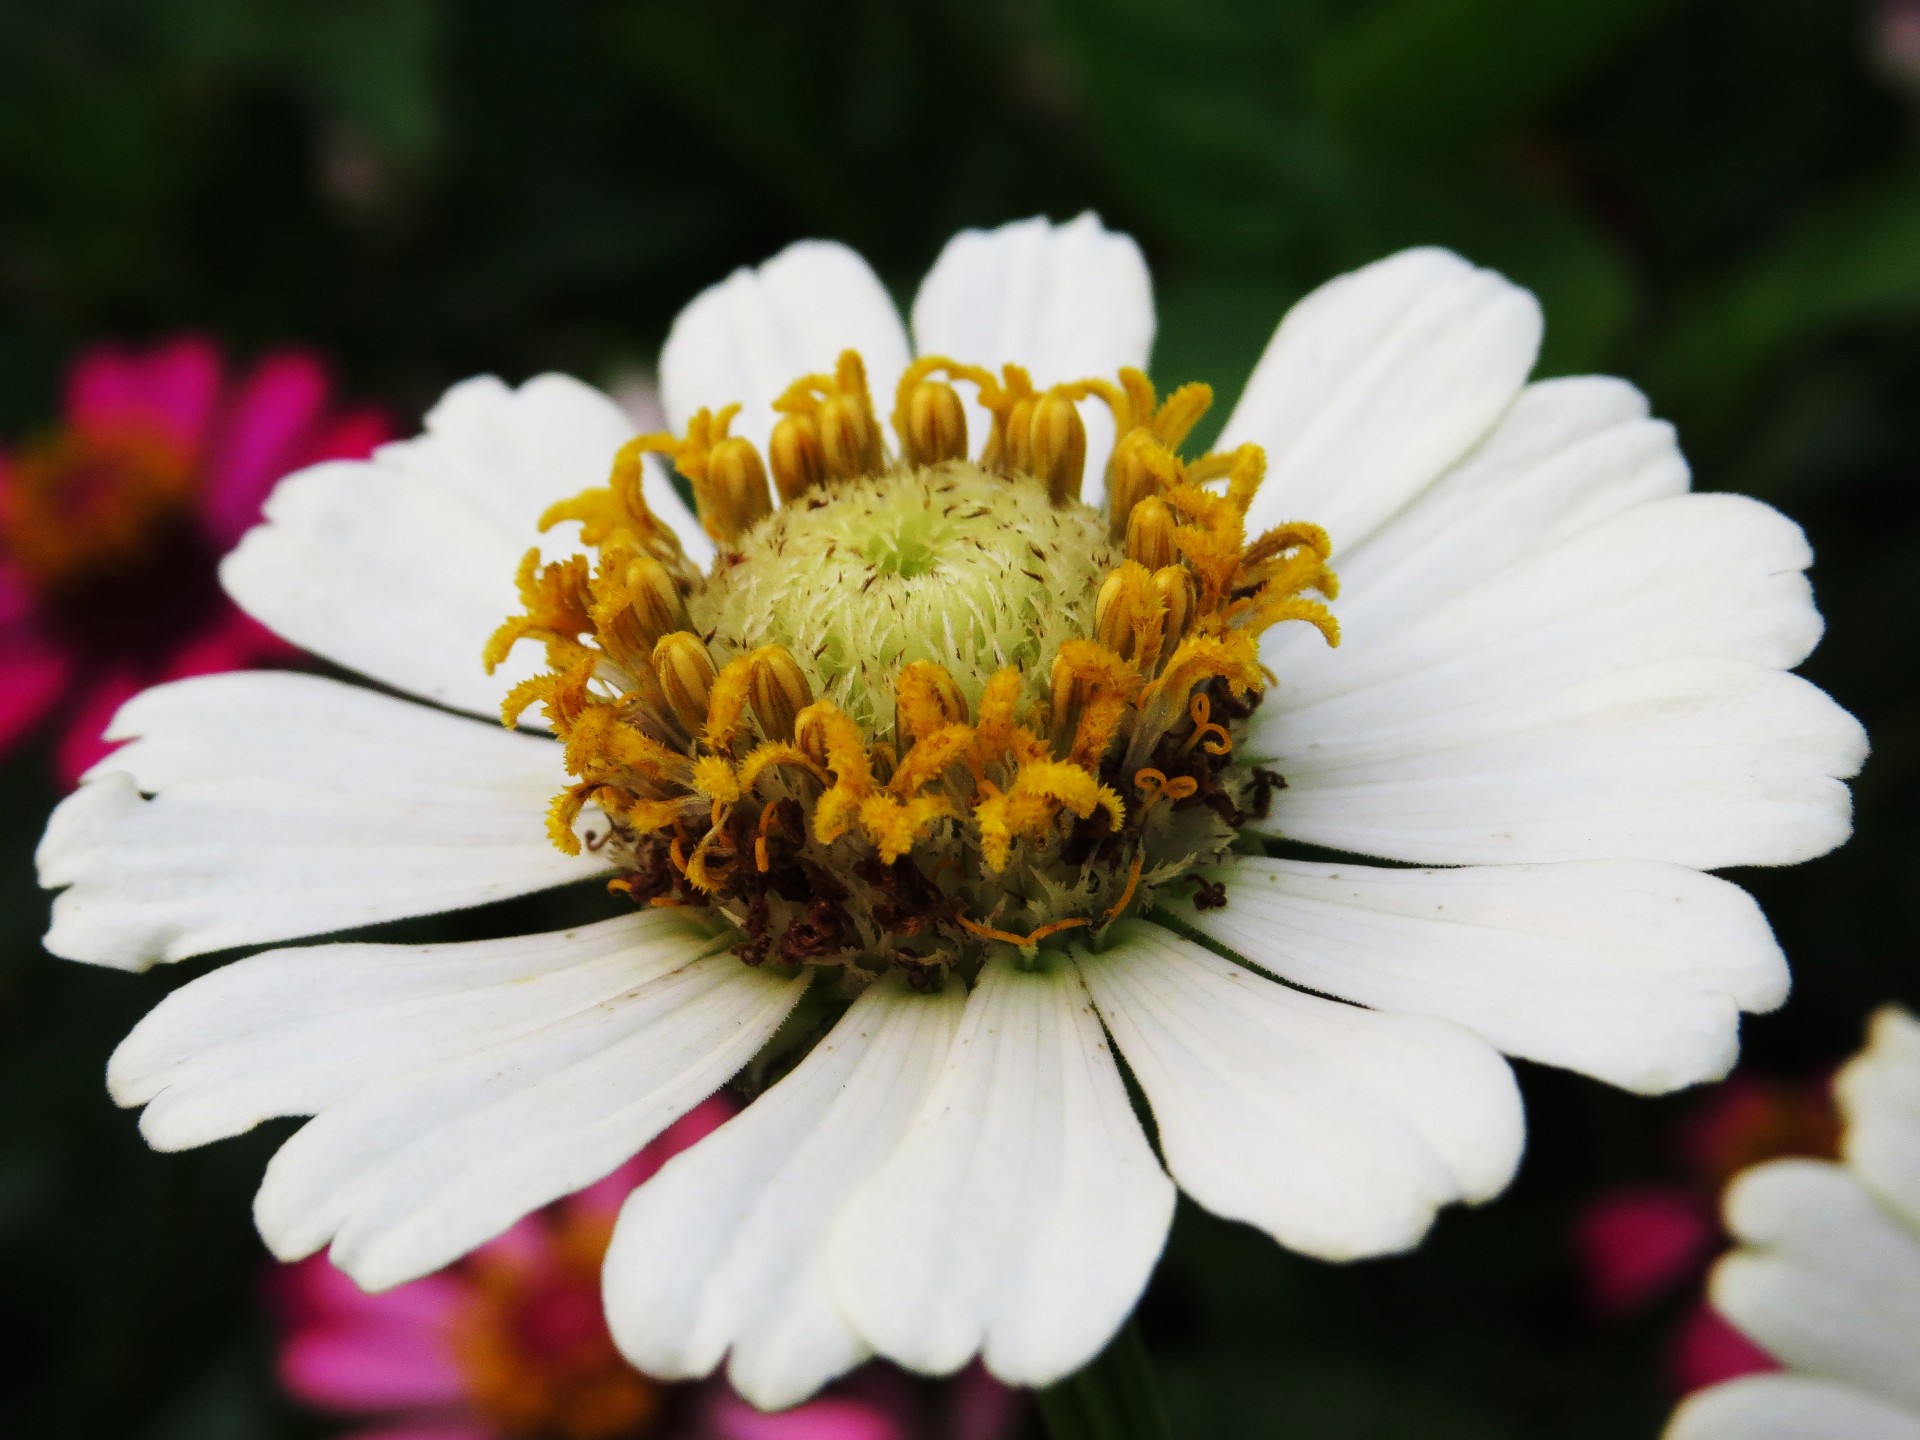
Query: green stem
(1113, 1397)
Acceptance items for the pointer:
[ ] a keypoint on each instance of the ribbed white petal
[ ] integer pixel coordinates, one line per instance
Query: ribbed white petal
(404, 1176)
(1376, 383)
(1702, 761)
(287, 805)
(1832, 1281)
(1021, 1215)
(1630, 971)
(1338, 1131)
(401, 566)
(746, 339)
(1879, 1092)
(727, 1247)
(1693, 576)
(1567, 456)
(1788, 1407)
(1068, 302)
(291, 1032)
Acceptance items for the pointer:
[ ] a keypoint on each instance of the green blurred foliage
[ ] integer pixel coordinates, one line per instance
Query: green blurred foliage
(1719, 200)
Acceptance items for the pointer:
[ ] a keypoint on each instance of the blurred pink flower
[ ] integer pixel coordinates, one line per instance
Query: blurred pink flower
(511, 1344)
(111, 524)
(1640, 1244)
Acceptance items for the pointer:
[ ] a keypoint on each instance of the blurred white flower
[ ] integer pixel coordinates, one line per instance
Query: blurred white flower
(1827, 1276)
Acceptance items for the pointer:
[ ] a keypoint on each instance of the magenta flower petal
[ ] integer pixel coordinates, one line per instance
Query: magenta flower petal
(171, 389)
(604, 1197)
(232, 640)
(258, 440)
(425, 1430)
(1636, 1245)
(1708, 1350)
(33, 676)
(371, 1364)
(314, 1293)
(83, 740)
(728, 1417)
(351, 434)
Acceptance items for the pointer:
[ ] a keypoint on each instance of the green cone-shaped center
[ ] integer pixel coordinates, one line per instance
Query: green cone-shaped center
(948, 564)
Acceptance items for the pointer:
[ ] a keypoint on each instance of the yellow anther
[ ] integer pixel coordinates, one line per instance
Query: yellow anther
(935, 428)
(1057, 446)
(778, 690)
(1016, 445)
(1141, 467)
(1127, 615)
(845, 440)
(799, 461)
(654, 599)
(1150, 534)
(925, 697)
(1174, 586)
(686, 675)
(734, 494)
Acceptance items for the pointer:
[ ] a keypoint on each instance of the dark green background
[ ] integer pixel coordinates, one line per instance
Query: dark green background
(1717, 198)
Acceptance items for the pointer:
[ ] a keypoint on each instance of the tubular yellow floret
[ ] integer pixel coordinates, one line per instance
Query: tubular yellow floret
(686, 674)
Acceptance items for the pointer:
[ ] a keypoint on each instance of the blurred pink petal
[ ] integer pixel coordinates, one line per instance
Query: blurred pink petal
(316, 1292)
(1635, 1245)
(351, 434)
(604, 1197)
(257, 440)
(425, 1430)
(233, 640)
(981, 1407)
(371, 1364)
(81, 742)
(727, 1417)
(33, 676)
(171, 389)
(1707, 1350)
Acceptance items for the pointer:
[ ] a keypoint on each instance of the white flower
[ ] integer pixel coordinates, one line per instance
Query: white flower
(1827, 1276)
(1562, 676)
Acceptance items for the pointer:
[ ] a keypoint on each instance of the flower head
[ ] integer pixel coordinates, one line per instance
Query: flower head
(1640, 1244)
(111, 524)
(1828, 1269)
(932, 838)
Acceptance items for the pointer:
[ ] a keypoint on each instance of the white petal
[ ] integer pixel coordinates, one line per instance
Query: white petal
(1338, 1131)
(1021, 1215)
(1701, 762)
(1708, 576)
(1879, 1093)
(727, 1246)
(1788, 1407)
(1566, 456)
(291, 1032)
(401, 567)
(1832, 1281)
(1376, 383)
(1626, 970)
(1068, 302)
(746, 339)
(287, 805)
(408, 1175)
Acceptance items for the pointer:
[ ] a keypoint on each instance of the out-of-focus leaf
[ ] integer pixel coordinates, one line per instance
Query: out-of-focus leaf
(369, 64)
(1853, 262)
(1438, 74)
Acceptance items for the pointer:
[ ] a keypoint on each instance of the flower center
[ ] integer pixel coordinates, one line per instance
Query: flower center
(534, 1345)
(945, 565)
(930, 705)
(80, 505)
